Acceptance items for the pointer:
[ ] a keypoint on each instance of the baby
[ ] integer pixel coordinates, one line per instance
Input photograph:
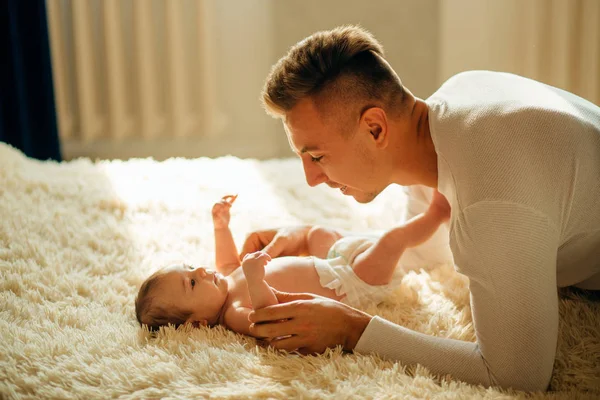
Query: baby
(337, 268)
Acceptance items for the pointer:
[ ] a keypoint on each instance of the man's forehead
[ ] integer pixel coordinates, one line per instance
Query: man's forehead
(305, 129)
(301, 143)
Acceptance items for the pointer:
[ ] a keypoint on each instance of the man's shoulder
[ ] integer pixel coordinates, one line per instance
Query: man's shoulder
(475, 79)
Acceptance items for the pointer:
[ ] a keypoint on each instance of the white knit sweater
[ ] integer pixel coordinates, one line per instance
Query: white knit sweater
(519, 162)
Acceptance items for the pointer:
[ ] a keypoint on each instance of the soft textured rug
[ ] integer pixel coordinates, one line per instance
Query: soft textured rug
(77, 238)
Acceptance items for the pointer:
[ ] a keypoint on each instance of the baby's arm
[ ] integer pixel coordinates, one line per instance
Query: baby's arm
(226, 254)
(261, 294)
(377, 264)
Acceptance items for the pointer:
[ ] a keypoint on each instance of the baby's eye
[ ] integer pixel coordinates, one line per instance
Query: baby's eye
(193, 282)
(315, 159)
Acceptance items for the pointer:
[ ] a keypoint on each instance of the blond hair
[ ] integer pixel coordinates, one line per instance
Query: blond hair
(343, 65)
(153, 313)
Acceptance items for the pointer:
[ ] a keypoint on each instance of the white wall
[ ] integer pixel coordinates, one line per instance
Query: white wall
(425, 41)
(407, 29)
(553, 41)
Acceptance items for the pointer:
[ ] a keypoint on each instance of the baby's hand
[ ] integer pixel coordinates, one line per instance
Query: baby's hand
(220, 211)
(253, 265)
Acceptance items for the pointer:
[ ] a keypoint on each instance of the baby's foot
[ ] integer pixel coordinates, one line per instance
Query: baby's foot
(440, 206)
(220, 211)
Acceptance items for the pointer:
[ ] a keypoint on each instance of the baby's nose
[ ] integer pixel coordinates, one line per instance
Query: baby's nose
(205, 273)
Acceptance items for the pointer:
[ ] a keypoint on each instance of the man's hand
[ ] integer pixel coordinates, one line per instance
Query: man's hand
(308, 323)
(253, 265)
(278, 242)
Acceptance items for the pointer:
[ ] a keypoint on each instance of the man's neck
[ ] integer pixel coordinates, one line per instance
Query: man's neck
(428, 172)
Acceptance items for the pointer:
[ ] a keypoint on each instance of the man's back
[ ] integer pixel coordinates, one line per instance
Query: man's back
(507, 139)
(519, 162)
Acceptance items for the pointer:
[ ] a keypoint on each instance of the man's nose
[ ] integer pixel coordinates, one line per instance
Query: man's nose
(314, 174)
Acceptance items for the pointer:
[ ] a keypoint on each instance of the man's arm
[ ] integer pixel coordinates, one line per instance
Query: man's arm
(510, 258)
(509, 254)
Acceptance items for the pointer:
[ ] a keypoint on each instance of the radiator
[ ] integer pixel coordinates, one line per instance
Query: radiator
(132, 70)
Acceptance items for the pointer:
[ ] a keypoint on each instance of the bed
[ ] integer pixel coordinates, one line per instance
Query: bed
(77, 238)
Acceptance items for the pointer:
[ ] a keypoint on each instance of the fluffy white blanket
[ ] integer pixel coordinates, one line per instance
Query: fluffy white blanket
(77, 239)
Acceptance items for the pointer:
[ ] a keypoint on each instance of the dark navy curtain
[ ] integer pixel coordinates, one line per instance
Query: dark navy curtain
(27, 109)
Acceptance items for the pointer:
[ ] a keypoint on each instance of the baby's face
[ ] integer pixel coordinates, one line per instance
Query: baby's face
(200, 290)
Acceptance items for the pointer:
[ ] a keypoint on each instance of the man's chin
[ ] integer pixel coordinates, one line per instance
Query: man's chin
(364, 198)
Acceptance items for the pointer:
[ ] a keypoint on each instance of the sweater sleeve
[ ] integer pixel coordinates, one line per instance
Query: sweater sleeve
(508, 251)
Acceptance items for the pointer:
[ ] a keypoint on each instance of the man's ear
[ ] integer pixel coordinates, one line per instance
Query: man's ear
(374, 121)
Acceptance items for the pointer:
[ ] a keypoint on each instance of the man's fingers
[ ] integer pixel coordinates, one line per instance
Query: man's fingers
(273, 330)
(256, 241)
(251, 245)
(285, 297)
(275, 248)
(289, 306)
(289, 343)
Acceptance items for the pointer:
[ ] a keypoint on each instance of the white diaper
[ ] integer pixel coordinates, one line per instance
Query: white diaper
(336, 272)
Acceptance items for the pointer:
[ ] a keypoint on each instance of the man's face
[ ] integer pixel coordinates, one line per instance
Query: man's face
(348, 162)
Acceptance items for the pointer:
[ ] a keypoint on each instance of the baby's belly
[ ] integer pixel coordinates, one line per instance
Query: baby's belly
(287, 274)
(296, 275)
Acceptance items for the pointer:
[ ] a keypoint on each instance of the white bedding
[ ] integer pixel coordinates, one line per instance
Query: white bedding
(77, 238)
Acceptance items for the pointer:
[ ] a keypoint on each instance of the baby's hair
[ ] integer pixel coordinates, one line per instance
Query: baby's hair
(152, 313)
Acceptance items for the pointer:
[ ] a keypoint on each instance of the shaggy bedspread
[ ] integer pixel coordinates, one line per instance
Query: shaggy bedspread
(78, 238)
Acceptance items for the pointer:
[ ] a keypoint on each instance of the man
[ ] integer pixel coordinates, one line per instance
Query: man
(519, 163)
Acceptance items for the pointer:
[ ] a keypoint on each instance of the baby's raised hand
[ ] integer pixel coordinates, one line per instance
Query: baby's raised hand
(253, 265)
(220, 211)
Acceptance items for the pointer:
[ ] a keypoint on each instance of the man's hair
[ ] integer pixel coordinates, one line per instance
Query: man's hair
(153, 313)
(336, 67)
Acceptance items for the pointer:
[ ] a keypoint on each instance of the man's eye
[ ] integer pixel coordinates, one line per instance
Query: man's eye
(193, 282)
(315, 159)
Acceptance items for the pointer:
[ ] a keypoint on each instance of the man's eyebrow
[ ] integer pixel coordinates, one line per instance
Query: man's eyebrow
(309, 148)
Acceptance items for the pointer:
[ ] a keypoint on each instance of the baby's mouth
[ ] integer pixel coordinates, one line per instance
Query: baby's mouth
(343, 189)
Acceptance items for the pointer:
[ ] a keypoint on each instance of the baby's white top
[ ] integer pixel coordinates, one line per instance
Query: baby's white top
(519, 162)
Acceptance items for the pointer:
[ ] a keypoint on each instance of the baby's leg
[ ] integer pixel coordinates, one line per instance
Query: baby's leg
(319, 240)
(297, 275)
(592, 283)
(377, 263)
(435, 250)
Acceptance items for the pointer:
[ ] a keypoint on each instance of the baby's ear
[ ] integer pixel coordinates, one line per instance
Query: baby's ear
(196, 323)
